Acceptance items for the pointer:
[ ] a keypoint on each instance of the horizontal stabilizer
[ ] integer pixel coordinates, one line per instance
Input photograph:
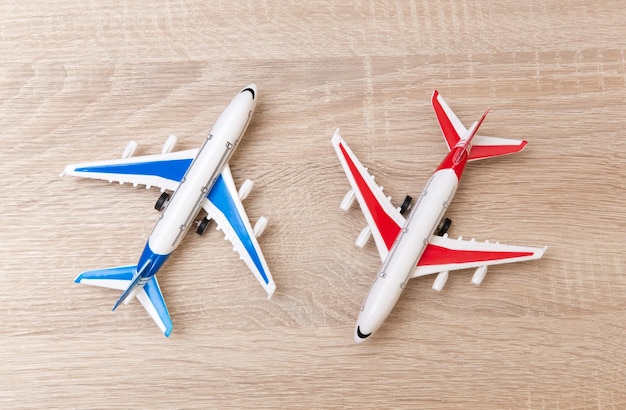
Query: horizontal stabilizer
(487, 147)
(152, 300)
(451, 127)
(121, 278)
(112, 278)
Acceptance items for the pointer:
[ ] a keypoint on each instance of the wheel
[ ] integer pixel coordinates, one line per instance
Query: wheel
(406, 205)
(160, 203)
(443, 227)
(204, 223)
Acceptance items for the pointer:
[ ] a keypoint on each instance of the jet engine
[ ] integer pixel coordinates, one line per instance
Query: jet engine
(259, 226)
(169, 145)
(245, 189)
(130, 149)
(347, 201)
(479, 275)
(363, 237)
(440, 281)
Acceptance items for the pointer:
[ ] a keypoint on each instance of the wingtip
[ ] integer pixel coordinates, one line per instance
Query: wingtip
(336, 136)
(271, 288)
(538, 254)
(67, 170)
(523, 145)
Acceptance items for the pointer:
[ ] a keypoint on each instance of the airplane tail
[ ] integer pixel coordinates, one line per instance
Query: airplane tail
(482, 147)
(125, 278)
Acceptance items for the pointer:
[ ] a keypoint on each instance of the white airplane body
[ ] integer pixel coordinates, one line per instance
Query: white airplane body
(418, 245)
(199, 179)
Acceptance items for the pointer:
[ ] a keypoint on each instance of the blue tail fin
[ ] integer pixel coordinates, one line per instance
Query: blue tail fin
(131, 287)
(136, 281)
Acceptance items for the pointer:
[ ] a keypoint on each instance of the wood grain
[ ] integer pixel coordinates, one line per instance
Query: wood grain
(79, 79)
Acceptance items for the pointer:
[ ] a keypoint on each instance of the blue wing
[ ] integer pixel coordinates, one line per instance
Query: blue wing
(164, 170)
(150, 296)
(225, 207)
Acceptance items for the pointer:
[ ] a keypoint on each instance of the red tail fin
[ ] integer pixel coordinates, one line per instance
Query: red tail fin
(474, 128)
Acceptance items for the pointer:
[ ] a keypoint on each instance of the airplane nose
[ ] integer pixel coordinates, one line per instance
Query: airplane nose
(252, 89)
(359, 337)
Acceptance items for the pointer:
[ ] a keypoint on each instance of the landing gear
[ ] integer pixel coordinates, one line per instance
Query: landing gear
(406, 205)
(204, 223)
(443, 227)
(160, 203)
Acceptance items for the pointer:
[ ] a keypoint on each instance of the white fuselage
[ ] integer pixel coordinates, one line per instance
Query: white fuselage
(206, 167)
(406, 251)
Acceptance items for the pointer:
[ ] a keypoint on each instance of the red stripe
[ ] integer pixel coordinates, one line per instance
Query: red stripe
(388, 228)
(449, 161)
(438, 255)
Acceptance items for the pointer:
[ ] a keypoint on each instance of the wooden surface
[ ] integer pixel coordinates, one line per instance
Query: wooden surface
(79, 79)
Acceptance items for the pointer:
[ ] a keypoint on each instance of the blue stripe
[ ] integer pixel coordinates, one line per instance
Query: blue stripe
(220, 196)
(173, 169)
(150, 262)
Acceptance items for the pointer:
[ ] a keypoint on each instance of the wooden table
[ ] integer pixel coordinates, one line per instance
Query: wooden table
(79, 79)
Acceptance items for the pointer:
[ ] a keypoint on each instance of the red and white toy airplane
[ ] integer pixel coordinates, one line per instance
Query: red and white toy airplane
(418, 245)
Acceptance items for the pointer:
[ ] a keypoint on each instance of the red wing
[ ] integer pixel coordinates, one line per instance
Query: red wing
(445, 254)
(382, 217)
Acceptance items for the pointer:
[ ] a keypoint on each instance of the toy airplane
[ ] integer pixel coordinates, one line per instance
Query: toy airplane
(419, 245)
(199, 179)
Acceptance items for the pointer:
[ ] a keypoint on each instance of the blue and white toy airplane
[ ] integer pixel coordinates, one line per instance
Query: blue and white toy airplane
(199, 179)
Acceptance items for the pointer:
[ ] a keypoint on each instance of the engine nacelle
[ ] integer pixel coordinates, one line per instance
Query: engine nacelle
(363, 237)
(245, 189)
(348, 200)
(259, 226)
(440, 281)
(130, 149)
(479, 275)
(169, 145)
